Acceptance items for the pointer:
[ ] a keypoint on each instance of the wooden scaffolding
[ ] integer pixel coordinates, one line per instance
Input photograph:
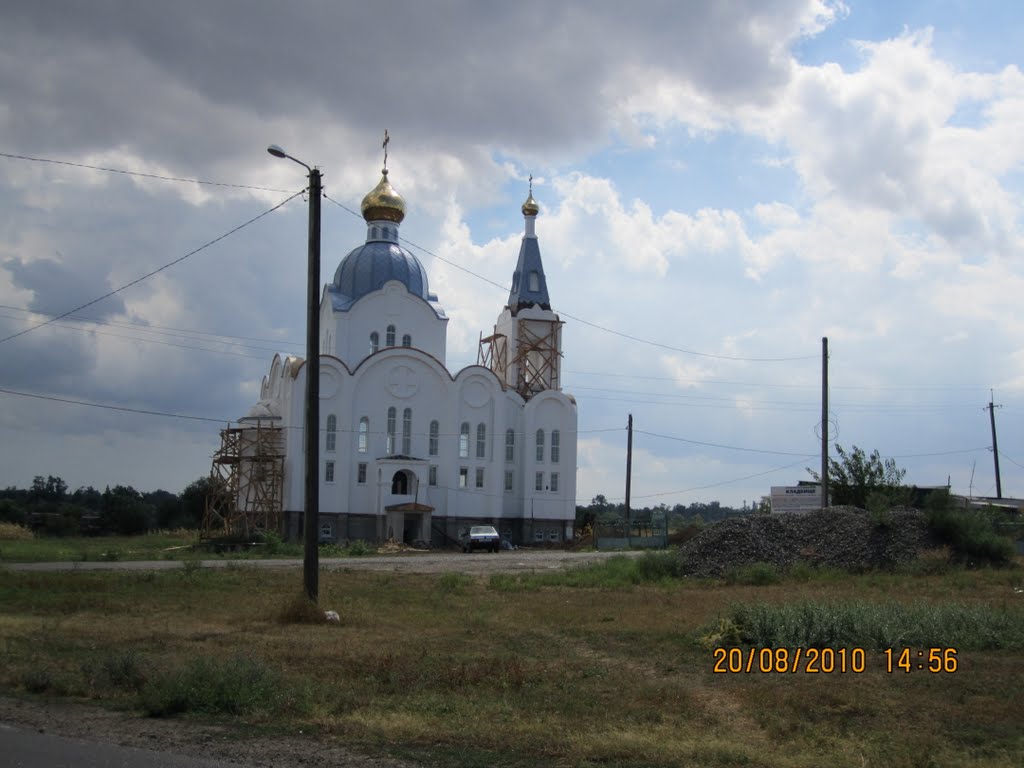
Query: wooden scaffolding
(534, 366)
(247, 478)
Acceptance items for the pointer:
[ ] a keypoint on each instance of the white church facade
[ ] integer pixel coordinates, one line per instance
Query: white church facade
(410, 450)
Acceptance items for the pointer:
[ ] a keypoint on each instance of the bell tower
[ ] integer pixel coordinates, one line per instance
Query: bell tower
(525, 350)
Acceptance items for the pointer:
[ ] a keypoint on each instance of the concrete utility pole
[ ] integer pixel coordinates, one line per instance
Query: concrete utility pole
(824, 421)
(991, 408)
(629, 471)
(311, 519)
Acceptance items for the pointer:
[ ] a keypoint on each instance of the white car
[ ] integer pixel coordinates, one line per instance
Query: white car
(481, 537)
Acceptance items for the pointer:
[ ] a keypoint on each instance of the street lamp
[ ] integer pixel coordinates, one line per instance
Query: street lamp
(311, 560)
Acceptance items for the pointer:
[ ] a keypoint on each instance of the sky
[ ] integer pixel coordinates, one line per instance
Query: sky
(721, 186)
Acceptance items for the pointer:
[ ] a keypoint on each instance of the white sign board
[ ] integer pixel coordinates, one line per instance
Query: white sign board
(796, 498)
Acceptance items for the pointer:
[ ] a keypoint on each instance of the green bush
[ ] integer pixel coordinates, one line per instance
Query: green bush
(970, 533)
(125, 670)
(358, 548)
(659, 566)
(239, 686)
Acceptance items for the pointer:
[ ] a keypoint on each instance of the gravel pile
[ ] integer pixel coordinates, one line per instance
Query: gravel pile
(837, 537)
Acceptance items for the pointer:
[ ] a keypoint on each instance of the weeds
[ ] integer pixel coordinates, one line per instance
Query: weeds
(754, 575)
(871, 625)
(971, 534)
(240, 686)
(118, 670)
(15, 532)
(358, 548)
(300, 610)
(453, 583)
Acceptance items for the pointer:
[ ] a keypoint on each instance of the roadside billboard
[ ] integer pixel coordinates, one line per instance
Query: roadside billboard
(795, 498)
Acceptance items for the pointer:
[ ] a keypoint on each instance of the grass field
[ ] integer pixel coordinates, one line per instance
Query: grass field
(17, 545)
(611, 665)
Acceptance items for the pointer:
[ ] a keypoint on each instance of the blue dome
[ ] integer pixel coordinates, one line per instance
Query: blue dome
(372, 264)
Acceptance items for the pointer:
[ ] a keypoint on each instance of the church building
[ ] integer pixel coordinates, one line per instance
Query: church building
(409, 449)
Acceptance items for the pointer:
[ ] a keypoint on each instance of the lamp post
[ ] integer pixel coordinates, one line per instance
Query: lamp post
(311, 560)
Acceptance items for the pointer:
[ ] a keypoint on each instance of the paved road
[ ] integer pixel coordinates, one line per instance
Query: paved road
(21, 747)
(409, 562)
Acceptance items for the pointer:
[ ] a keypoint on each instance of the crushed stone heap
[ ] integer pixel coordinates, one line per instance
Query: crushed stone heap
(837, 537)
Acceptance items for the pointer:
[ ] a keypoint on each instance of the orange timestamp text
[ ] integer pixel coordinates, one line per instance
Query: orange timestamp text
(831, 660)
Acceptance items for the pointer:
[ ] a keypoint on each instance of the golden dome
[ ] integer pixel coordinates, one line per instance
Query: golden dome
(530, 207)
(382, 203)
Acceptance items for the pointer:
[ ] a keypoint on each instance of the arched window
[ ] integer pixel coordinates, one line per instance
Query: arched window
(555, 445)
(392, 415)
(389, 336)
(481, 441)
(332, 432)
(364, 434)
(407, 340)
(407, 432)
(510, 445)
(464, 440)
(534, 281)
(374, 342)
(400, 483)
(540, 445)
(435, 429)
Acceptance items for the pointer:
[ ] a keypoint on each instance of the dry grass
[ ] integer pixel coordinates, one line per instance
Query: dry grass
(15, 532)
(541, 674)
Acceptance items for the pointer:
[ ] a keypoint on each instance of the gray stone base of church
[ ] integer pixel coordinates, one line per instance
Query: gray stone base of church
(444, 531)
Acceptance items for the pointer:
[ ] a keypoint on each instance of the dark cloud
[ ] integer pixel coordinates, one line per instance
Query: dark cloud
(520, 74)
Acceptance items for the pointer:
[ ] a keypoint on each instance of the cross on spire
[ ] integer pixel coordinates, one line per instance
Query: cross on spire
(384, 146)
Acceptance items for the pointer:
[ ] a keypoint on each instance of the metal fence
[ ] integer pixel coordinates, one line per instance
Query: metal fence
(641, 532)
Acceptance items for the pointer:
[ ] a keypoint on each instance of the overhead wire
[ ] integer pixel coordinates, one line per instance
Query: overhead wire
(162, 329)
(630, 337)
(141, 174)
(153, 272)
(53, 319)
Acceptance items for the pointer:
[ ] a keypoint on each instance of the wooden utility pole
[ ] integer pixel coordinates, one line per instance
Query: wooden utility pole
(629, 471)
(824, 421)
(991, 408)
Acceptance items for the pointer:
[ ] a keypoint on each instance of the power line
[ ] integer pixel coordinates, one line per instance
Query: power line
(726, 482)
(718, 445)
(587, 322)
(155, 271)
(109, 407)
(164, 330)
(153, 341)
(141, 174)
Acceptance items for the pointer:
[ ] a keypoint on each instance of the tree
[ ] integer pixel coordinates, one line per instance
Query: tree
(863, 480)
(125, 512)
(193, 501)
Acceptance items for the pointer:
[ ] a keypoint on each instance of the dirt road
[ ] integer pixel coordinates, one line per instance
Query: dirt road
(407, 562)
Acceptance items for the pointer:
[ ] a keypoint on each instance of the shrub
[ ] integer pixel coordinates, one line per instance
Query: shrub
(659, 566)
(119, 669)
(239, 686)
(971, 534)
(358, 548)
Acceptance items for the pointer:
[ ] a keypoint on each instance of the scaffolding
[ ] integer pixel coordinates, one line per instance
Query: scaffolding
(247, 482)
(534, 366)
